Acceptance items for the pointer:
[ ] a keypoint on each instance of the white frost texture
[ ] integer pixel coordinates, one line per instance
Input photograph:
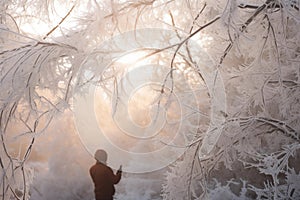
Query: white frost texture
(233, 113)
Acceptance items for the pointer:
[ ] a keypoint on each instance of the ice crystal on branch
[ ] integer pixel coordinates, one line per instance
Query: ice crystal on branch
(254, 46)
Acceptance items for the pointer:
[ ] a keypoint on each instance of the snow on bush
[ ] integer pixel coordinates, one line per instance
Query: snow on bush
(255, 49)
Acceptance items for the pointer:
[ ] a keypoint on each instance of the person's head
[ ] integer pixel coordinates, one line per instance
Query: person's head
(101, 156)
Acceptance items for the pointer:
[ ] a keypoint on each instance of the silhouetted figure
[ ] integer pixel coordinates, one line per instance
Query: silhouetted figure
(103, 177)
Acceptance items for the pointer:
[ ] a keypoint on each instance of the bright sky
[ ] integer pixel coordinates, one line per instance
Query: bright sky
(38, 26)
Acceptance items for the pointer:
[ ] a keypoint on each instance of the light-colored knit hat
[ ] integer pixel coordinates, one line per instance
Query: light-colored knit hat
(101, 156)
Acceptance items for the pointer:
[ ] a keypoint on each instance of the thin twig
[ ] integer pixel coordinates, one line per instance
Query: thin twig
(61, 21)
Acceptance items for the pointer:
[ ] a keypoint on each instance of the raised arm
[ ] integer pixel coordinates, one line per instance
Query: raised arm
(116, 177)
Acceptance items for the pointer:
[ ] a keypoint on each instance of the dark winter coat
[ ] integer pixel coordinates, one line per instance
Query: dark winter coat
(104, 180)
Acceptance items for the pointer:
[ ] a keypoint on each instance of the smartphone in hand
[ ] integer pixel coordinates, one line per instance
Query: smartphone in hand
(120, 168)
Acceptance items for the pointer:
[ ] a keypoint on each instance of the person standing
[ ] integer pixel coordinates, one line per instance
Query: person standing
(104, 177)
